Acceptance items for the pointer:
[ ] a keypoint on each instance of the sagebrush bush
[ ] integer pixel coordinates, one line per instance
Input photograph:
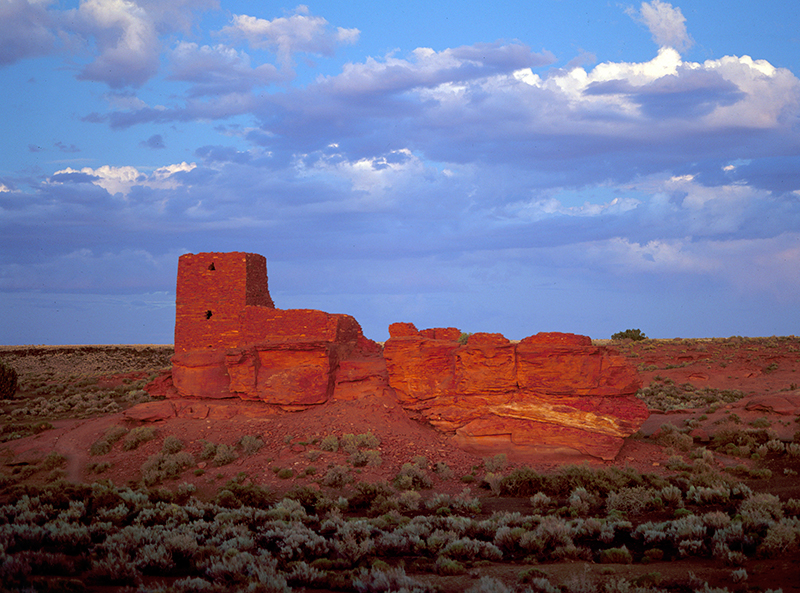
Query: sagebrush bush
(329, 443)
(224, 454)
(337, 476)
(8, 381)
(250, 444)
(411, 477)
(137, 436)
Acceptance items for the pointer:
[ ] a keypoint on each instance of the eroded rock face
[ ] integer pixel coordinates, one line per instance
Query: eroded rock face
(291, 358)
(551, 393)
(548, 394)
(231, 341)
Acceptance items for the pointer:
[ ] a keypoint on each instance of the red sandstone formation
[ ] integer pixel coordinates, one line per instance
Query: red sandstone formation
(231, 341)
(549, 393)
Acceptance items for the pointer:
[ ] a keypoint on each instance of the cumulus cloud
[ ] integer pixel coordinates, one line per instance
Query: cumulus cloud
(666, 23)
(429, 182)
(26, 30)
(286, 36)
(126, 38)
(218, 70)
(121, 180)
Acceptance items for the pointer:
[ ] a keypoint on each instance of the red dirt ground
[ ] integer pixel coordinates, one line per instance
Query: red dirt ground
(758, 367)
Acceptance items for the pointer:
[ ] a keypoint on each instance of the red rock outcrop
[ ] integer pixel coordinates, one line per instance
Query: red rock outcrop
(231, 341)
(547, 394)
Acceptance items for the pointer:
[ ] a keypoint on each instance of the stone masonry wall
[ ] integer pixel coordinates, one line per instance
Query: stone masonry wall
(212, 291)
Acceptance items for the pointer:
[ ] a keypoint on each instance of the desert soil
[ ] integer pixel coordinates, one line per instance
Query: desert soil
(766, 370)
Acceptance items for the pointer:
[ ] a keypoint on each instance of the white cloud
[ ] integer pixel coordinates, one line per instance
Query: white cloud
(126, 38)
(286, 36)
(219, 69)
(122, 179)
(666, 23)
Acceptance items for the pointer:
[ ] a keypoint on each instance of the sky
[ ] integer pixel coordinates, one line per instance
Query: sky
(512, 167)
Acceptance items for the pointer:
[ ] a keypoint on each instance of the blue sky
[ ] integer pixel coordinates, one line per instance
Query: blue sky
(559, 165)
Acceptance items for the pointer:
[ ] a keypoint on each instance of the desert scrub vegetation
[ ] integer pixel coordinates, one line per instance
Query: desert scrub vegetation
(664, 395)
(104, 444)
(629, 334)
(137, 436)
(247, 539)
(8, 381)
(219, 454)
(169, 463)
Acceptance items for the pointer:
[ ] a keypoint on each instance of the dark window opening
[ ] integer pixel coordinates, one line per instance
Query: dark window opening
(211, 267)
(208, 314)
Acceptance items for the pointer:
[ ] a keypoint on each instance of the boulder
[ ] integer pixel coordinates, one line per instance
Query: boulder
(550, 392)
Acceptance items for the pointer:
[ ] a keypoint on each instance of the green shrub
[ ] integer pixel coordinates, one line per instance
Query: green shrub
(250, 444)
(615, 556)
(369, 494)
(8, 381)
(137, 436)
(235, 494)
(411, 477)
(98, 467)
(100, 447)
(329, 443)
(224, 455)
(495, 464)
(209, 450)
(447, 566)
(443, 470)
(370, 457)
(53, 460)
(629, 334)
(337, 476)
(172, 445)
(163, 465)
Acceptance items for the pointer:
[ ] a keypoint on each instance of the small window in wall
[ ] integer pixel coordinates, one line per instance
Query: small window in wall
(208, 314)
(211, 267)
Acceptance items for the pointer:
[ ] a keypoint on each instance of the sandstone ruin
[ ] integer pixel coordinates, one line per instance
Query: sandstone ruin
(551, 393)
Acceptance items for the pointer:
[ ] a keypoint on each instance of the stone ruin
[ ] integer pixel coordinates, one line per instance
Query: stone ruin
(548, 394)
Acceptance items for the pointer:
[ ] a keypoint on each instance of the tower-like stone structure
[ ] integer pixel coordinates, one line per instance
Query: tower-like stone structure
(213, 289)
(231, 341)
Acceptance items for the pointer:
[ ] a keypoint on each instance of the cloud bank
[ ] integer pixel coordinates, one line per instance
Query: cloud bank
(444, 187)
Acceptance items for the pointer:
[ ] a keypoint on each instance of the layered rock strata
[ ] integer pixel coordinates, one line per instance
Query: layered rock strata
(551, 393)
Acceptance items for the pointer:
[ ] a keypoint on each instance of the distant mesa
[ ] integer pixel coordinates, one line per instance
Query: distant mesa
(549, 394)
